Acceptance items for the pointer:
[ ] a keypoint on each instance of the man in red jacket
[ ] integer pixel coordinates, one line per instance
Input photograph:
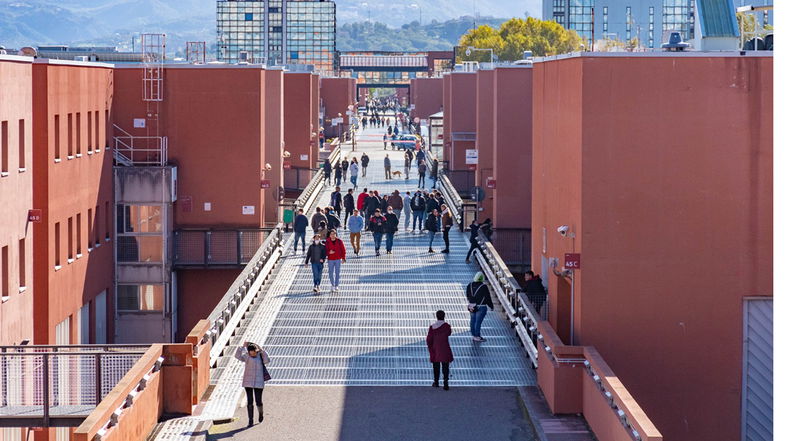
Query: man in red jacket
(361, 200)
(438, 341)
(336, 253)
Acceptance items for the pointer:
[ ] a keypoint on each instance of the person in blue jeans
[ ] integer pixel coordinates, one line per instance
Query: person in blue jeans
(432, 226)
(390, 227)
(300, 225)
(479, 297)
(316, 255)
(377, 225)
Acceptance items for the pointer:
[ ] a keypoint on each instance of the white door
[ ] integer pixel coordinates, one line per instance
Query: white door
(757, 400)
(100, 318)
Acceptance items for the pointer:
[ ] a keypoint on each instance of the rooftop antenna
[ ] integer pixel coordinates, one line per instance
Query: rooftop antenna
(475, 14)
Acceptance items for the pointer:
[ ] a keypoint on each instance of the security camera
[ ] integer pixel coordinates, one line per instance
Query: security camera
(268, 167)
(563, 230)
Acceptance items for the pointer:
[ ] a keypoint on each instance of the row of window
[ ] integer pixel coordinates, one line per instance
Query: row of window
(98, 227)
(75, 127)
(5, 146)
(6, 256)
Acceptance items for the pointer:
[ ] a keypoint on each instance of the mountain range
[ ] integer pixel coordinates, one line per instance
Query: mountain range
(114, 22)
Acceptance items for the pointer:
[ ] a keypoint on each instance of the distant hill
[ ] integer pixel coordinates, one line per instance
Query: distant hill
(113, 22)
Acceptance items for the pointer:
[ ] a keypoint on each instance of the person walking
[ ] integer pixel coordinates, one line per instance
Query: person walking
(328, 168)
(432, 225)
(447, 222)
(407, 210)
(371, 204)
(377, 226)
(345, 168)
(396, 202)
(420, 156)
(534, 289)
(354, 170)
(361, 200)
(336, 201)
(348, 204)
(418, 208)
(407, 164)
(317, 219)
(384, 139)
(474, 230)
(315, 256)
(300, 225)
(336, 253)
(338, 174)
(364, 160)
(390, 228)
(385, 202)
(333, 221)
(438, 341)
(387, 167)
(435, 172)
(355, 225)
(254, 375)
(421, 170)
(479, 297)
(322, 231)
(432, 204)
(410, 156)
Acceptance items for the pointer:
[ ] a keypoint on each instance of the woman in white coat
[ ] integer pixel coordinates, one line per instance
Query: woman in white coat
(253, 377)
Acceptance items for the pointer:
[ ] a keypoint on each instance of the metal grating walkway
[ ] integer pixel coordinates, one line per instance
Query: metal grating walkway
(373, 331)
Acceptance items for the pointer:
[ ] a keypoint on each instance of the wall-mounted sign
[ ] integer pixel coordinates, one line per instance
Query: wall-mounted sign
(35, 215)
(572, 261)
(265, 183)
(303, 157)
(490, 182)
(471, 157)
(140, 123)
(208, 206)
(249, 210)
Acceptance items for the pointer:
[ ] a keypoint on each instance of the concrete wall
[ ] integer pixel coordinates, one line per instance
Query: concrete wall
(337, 94)
(426, 95)
(447, 121)
(462, 115)
(16, 198)
(486, 118)
(298, 118)
(668, 188)
(274, 143)
(77, 185)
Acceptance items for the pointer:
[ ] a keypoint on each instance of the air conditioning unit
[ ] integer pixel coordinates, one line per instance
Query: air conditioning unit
(244, 57)
(81, 58)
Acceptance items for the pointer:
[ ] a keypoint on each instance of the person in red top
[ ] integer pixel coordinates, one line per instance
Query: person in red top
(438, 341)
(361, 199)
(336, 253)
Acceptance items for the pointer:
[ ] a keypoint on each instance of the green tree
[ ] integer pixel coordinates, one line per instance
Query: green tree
(518, 35)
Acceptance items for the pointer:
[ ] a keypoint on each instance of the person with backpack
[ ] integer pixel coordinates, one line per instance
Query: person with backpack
(418, 208)
(407, 210)
(439, 351)
(421, 169)
(336, 201)
(479, 297)
(327, 168)
(446, 225)
(333, 221)
(390, 227)
(348, 204)
(364, 160)
(255, 374)
(300, 225)
(432, 225)
(474, 231)
(355, 225)
(336, 253)
(377, 225)
(317, 219)
(315, 256)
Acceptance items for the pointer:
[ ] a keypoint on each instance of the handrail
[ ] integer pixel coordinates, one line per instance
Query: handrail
(314, 188)
(226, 316)
(125, 151)
(453, 199)
(517, 307)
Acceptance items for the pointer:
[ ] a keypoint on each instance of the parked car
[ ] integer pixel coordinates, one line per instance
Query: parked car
(406, 142)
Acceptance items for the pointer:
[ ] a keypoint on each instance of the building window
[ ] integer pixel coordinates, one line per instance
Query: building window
(4, 275)
(676, 17)
(70, 239)
(651, 26)
(89, 133)
(78, 234)
(57, 137)
(140, 297)
(4, 147)
(22, 275)
(604, 19)
(70, 136)
(97, 131)
(57, 245)
(22, 159)
(107, 220)
(629, 24)
(78, 134)
(90, 233)
(140, 233)
(106, 128)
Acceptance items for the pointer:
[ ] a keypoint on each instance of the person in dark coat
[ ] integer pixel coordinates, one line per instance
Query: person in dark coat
(338, 174)
(534, 289)
(390, 227)
(328, 169)
(377, 226)
(364, 160)
(371, 204)
(487, 229)
(432, 204)
(421, 170)
(438, 341)
(333, 221)
(336, 200)
(418, 208)
(432, 226)
(317, 219)
(435, 172)
(474, 231)
(348, 204)
(316, 255)
(300, 225)
(345, 167)
(479, 297)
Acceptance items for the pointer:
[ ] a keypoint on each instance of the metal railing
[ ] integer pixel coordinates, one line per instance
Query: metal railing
(514, 246)
(58, 386)
(132, 150)
(297, 178)
(217, 247)
(462, 180)
(226, 316)
(312, 190)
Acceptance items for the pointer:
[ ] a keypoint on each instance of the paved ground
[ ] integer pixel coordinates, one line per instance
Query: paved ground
(358, 413)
